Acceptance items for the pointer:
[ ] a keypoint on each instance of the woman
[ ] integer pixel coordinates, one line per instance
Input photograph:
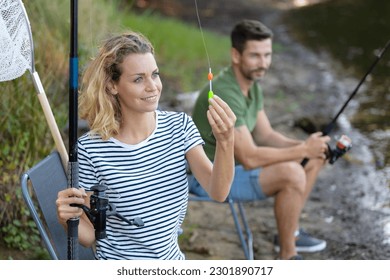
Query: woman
(141, 153)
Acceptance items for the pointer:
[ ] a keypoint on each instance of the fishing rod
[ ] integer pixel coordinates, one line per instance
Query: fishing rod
(73, 178)
(332, 123)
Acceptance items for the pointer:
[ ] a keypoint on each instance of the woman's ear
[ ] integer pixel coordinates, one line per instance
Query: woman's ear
(112, 88)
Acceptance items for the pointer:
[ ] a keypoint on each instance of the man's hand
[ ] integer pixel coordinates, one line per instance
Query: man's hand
(316, 145)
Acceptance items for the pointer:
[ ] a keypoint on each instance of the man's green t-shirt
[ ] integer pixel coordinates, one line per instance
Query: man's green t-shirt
(227, 88)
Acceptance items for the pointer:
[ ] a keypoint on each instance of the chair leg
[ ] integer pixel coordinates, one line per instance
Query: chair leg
(35, 215)
(245, 238)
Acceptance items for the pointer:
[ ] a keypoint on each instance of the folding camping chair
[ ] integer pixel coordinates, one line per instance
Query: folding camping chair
(240, 221)
(40, 186)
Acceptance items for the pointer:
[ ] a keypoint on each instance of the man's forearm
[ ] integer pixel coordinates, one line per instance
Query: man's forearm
(278, 140)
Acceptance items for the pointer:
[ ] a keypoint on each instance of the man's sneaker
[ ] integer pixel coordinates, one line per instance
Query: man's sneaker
(296, 257)
(304, 243)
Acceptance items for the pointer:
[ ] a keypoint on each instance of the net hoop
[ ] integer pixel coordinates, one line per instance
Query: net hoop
(16, 42)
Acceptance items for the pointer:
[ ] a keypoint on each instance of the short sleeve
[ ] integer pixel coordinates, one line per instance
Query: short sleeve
(192, 136)
(87, 173)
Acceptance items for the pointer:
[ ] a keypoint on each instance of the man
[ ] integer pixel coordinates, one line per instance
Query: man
(267, 162)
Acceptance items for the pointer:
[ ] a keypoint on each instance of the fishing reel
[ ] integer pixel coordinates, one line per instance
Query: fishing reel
(343, 145)
(101, 209)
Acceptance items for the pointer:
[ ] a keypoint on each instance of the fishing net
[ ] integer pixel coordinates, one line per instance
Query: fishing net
(16, 45)
(17, 55)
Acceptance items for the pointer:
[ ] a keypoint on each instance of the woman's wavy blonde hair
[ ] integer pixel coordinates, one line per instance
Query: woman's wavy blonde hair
(97, 103)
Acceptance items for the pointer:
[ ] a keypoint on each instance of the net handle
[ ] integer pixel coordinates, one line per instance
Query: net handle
(60, 146)
(59, 143)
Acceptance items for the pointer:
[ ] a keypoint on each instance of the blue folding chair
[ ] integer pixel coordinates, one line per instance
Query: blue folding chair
(40, 186)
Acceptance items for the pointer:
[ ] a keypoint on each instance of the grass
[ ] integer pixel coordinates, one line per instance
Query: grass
(180, 50)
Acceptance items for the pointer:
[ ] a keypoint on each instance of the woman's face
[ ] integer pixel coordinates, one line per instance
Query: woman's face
(139, 87)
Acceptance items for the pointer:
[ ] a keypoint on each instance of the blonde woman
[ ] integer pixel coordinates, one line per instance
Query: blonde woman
(140, 154)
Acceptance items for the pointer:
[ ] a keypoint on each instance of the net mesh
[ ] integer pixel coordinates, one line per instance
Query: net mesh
(16, 49)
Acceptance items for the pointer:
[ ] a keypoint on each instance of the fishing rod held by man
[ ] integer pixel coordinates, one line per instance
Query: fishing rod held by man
(332, 123)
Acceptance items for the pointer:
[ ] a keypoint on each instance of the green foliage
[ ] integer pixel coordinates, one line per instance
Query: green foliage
(21, 232)
(17, 237)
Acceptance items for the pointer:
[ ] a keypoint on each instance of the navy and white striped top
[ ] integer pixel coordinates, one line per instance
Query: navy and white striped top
(147, 180)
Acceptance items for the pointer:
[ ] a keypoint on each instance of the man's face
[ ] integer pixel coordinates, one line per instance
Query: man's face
(255, 59)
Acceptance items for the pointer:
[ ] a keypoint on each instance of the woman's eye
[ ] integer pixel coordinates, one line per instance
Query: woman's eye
(138, 80)
(156, 74)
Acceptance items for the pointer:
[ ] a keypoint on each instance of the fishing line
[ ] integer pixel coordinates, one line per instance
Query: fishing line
(210, 74)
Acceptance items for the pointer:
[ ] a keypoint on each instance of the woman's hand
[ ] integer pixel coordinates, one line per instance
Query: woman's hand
(66, 197)
(221, 119)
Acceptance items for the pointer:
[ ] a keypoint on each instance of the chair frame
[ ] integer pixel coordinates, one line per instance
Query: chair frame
(40, 186)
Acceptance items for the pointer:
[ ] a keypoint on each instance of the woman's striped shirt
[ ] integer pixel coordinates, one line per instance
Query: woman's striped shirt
(147, 180)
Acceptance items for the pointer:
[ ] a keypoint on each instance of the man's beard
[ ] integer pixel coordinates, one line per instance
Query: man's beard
(251, 74)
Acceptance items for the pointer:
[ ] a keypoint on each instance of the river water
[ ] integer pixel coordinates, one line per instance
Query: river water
(353, 32)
